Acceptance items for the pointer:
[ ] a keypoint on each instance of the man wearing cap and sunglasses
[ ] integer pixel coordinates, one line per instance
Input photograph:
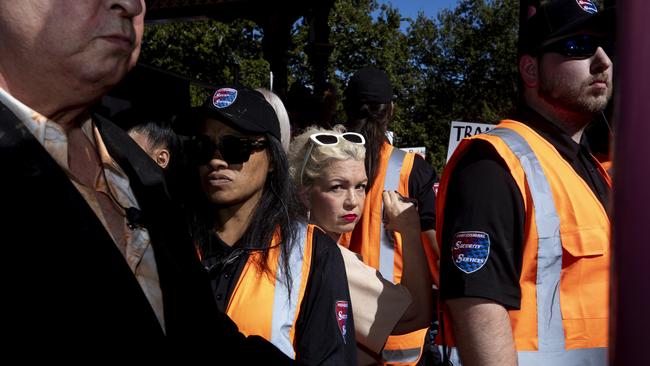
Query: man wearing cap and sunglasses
(523, 225)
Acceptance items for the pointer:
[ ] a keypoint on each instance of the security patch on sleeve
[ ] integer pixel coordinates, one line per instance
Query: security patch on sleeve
(470, 250)
(342, 318)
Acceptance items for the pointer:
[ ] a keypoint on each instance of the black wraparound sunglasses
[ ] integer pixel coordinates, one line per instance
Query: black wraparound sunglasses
(580, 46)
(233, 149)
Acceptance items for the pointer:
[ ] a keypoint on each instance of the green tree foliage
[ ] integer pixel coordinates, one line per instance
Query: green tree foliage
(468, 64)
(460, 66)
(364, 33)
(208, 52)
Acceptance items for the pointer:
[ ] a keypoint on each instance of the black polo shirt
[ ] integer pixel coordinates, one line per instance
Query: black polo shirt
(482, 196)
(318, 337)
(421, 181)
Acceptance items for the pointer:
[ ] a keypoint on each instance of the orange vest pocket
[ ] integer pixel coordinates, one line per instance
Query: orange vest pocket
(584, 288)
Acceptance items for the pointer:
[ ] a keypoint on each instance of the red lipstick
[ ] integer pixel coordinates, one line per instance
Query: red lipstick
(350, 217)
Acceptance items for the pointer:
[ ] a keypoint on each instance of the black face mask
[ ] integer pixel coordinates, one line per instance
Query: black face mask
(232, 149)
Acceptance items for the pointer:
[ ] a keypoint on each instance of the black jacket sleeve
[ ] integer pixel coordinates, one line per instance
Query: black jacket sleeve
(325, 327)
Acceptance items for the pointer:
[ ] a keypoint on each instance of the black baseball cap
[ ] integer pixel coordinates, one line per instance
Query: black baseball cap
(243, 108)
(557, 18)
(369, 85)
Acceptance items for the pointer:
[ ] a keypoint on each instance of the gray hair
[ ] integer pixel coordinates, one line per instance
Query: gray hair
(283, 116)
(320, 156)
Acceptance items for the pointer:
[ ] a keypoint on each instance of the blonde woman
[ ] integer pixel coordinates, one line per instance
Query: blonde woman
(328, 167)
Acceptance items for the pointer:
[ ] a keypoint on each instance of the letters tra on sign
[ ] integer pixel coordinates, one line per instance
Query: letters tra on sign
(460, 130)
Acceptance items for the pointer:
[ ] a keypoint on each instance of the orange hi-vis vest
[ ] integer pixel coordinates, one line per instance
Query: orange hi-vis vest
(563, 318)
(383, 250)
(261, 303)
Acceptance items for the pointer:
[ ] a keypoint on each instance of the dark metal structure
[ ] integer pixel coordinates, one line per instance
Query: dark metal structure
(630, 320)
(275, 17)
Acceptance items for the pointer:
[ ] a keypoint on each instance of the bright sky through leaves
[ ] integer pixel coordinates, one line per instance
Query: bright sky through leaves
(410, 8)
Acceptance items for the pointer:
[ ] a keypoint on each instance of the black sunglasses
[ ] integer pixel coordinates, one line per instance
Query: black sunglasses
(580, 46)
(233, 149)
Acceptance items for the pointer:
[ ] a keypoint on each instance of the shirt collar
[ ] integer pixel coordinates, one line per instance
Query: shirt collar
(34, 121)
(97, 140)
(552, 133)
(217, 247)
(43, 128)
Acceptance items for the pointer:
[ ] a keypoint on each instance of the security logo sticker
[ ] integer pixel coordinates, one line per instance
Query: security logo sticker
(470, 250)
(588, 6)
(224, 97)
(342, 318)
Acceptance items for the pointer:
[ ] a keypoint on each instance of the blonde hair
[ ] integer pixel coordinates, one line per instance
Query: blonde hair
(320, 156)
(283, 116)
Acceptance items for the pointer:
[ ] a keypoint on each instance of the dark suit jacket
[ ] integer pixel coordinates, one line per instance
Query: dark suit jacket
(64, 278)
(64, 273)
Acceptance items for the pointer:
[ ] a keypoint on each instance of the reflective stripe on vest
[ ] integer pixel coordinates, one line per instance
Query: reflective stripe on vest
(401, 355)
(550, 332)
(261, 303)
(387, 242)
(285, 304)
(581, 356)
(584, 356)
(406, 349)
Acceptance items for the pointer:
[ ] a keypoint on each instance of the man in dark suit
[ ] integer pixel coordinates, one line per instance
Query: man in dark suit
(91, 244)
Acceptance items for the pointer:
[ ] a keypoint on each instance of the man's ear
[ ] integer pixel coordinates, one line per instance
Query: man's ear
(529, 71)
(162, 157)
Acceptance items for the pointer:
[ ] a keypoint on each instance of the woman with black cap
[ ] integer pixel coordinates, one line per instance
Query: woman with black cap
(272, 273)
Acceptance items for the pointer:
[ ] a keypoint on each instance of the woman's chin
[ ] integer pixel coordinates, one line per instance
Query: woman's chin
(345, 228)
(336, 231)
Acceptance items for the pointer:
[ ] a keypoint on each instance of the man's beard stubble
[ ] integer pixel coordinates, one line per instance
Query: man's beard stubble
(559, 93)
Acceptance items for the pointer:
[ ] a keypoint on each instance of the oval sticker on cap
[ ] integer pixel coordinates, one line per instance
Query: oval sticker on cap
(224, 97)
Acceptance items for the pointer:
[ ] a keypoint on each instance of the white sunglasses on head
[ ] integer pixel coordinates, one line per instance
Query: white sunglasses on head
(329, 139)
